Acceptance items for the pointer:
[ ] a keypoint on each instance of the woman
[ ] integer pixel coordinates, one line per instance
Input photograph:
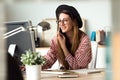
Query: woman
(71, 47)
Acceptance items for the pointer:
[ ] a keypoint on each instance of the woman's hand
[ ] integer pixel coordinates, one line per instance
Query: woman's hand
(61, 39)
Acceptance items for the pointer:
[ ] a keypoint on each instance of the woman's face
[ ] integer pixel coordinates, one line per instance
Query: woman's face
(65, 22)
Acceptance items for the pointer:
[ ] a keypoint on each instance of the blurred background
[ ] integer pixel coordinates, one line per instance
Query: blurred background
(98, 15)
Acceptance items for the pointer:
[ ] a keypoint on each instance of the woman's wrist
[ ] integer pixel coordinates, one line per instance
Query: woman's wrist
(65, 50)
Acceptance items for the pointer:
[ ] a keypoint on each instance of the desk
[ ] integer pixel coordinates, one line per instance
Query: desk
(93, 76)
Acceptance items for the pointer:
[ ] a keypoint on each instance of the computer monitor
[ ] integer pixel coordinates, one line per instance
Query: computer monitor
(23, 40)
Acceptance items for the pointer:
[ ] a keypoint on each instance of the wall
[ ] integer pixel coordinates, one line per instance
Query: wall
(2, 44)
(96, 12)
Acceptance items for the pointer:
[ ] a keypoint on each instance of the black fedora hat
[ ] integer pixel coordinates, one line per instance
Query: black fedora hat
(72, 11)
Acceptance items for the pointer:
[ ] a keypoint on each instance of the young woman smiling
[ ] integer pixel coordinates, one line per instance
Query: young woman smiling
(71, 46)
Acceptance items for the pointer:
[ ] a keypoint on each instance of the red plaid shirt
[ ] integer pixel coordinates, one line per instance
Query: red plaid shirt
(81, 59)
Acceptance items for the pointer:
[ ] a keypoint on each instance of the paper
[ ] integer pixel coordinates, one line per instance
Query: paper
(55, 72)
(11, 49)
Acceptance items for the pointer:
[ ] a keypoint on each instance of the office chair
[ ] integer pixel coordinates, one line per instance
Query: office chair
(94, 47)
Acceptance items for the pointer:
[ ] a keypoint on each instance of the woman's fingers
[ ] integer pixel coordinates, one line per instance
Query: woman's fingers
(60, 36)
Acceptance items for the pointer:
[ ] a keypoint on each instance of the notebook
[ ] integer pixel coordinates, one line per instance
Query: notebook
(55, 72)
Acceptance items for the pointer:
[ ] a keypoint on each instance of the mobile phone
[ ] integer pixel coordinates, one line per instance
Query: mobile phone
(68, 76)
(59, 29)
